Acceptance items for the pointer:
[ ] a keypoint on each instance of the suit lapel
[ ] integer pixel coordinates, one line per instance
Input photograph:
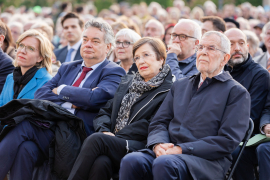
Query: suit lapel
(63, 54)
(78, 54)
(94, 76)
(72, 74)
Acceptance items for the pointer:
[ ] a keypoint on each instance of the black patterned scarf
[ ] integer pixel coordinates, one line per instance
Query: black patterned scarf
(136, 89)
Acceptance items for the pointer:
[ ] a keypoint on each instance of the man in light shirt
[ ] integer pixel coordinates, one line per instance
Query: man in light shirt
(72, 30)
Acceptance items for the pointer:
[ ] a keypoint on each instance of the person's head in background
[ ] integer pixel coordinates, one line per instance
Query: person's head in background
(254, 42)
(154, 28)
(231, 23)
(197, 13)
(228, 11)
(72, 27)
(117, 26)
(246, 9)
(213, 23)
(16, 29)
(210, 8)
(244, 24)
(167, 35)
(44, 29)
(266, 36)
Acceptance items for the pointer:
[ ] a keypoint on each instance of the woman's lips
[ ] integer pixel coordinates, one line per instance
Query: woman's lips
(21, 57)
(142, 68)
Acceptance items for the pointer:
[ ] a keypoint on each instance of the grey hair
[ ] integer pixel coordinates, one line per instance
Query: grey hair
(16, 24)
(162, 30)
(196, 27)
(252, 38)
(225, 43)
(104, 27)
(128, 33)
(266, 27)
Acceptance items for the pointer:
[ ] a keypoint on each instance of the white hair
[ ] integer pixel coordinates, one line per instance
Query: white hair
(266, 27)
(16, 24)
(197, 30)
(158, 24)
(225, 43)
(128, 33)
(252, 38)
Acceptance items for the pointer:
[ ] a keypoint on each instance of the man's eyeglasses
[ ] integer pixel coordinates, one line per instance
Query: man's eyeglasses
(124, 44)
(29, 49)
(181, 37)
(210, 48)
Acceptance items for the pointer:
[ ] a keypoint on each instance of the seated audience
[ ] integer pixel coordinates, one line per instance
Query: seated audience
(122, 124)
(256, 80)
(124, 41)
(6, 66)
(84, 86)
(254, 42)
(32, 67)
(181, 52)
(199, 124)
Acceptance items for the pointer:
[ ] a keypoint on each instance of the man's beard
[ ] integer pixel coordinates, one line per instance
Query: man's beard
(233, 62)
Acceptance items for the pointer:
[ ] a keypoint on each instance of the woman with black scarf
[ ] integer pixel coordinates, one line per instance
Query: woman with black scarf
(32, 70)
(122, 124)
(32, 67)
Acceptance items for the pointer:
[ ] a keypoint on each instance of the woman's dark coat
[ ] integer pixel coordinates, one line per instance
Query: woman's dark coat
(207, 123)
(141, 113)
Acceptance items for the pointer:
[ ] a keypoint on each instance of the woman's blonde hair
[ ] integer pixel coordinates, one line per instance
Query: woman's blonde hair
(45, 48)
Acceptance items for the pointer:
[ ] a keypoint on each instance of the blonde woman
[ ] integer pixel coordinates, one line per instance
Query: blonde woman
(26, 145)
(32, 67)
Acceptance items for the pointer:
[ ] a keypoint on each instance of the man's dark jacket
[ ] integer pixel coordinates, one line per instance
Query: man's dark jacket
(207, 123)
(69, 129)
(6, 67)
(61, 54)
(256, 80)
(141, 113)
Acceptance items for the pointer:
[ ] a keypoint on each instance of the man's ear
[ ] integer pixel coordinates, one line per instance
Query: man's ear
(108, 48)
(197, 42)
(2, 38)
(226, 59)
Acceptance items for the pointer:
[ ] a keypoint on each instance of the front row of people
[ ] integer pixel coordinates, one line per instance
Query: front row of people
(190, 128)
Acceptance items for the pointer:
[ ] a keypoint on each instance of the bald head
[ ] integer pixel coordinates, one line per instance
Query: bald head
(239, 46)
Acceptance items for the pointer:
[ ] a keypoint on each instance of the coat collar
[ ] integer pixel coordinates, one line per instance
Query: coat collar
(225, 76)
(239, 67)
(33, 82)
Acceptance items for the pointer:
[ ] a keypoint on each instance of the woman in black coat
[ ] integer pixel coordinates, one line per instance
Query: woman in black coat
(122, 125)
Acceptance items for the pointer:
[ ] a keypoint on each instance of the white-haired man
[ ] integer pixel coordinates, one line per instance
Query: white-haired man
(199, 124)
(181, 56)
(154, 28)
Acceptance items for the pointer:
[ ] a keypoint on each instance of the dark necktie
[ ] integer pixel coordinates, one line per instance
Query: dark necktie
(82, 76)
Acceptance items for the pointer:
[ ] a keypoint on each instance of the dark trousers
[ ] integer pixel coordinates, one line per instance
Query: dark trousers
(24, 147)
(251, 157)
(143, 166)
(100, 156)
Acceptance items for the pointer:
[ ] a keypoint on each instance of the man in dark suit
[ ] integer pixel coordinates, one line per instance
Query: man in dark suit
(264, 59)
(6, 66)
(199, 124)
(72, 29)
(84, 86)
(256, 80)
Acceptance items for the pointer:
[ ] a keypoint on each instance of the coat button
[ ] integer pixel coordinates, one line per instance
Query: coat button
(190, 148)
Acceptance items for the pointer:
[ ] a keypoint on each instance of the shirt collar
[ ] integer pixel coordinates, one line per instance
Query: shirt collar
(201, 79)
(268, 55)
(189, 59)
(75, 46)
(94, 66)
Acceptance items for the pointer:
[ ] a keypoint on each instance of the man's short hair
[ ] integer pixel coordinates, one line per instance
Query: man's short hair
(72, 15)
(104, 27)
(232, 21)
(218, 23)
(225, 43)
(158, 23)
(3, 29)
(266, 27)
(197, 30)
